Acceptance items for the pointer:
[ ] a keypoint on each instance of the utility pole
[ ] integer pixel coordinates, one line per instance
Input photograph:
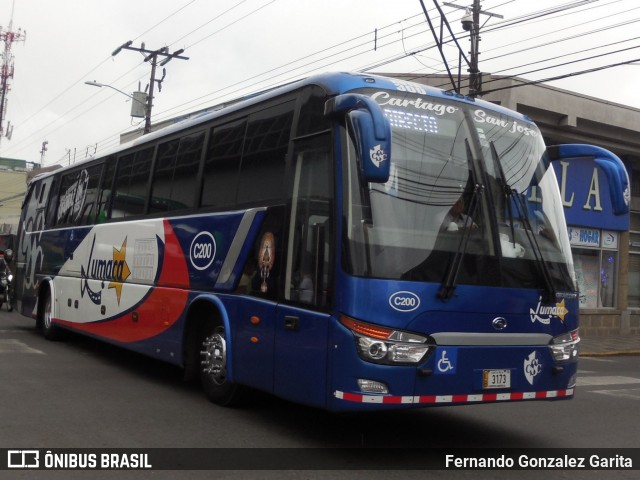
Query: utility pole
(471, 23)
(6, 69)
(152, 57)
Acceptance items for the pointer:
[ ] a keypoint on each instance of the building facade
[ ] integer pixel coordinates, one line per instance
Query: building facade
(13, 184)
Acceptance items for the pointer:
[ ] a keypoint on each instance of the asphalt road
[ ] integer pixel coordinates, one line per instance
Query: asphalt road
(83, 394)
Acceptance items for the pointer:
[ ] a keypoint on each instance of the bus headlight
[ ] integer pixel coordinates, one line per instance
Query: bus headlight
(385, 345)
(372, 348)
(565, 347)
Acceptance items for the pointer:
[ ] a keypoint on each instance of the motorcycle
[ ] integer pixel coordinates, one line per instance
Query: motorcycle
(6, 288)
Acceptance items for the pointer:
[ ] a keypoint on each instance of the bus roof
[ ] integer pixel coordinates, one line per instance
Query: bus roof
(332, 83)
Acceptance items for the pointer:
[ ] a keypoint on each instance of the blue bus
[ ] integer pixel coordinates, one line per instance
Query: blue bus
(347, 241)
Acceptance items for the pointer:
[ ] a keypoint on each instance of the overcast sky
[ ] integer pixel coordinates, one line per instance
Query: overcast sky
(240, 46)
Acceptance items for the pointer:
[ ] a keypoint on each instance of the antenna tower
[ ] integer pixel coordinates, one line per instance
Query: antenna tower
(8, 37)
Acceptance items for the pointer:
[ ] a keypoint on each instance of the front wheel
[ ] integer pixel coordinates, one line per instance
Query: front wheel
(213, 365)
(8, 299)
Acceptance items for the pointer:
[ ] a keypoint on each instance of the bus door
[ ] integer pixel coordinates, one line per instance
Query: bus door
(302, 321)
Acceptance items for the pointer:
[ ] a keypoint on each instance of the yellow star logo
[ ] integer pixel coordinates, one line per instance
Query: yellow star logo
(561, 310)
(121, 270)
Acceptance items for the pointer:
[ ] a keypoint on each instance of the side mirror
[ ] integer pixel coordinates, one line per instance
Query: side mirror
(372, 133)
(612, 166)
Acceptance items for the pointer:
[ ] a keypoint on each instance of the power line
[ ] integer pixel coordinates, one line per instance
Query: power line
(84, 76)
(292, 69)
(527, 50)
(566, 75)
(270, 78)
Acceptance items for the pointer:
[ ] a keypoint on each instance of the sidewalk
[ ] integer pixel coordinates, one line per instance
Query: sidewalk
(610, 345)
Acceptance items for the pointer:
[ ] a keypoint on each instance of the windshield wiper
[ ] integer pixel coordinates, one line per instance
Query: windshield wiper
(507, 191)
(451, 277)
(510, 194)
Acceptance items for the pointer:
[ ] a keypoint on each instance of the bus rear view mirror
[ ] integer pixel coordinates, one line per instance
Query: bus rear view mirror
(611, 165)
(371, 132)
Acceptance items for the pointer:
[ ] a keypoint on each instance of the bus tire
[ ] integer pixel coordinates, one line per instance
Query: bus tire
(45, 319)
(213, 366)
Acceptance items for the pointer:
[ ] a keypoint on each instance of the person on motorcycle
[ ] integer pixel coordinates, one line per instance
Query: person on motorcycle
(6, 284)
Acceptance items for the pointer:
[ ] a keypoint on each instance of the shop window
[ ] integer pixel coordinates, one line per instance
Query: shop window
(633, 297)
(596, 274)
(634, 280)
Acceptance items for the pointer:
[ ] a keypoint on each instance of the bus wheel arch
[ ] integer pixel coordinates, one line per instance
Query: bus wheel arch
(208, 352)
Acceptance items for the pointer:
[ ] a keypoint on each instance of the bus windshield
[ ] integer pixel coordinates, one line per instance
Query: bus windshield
(466, 183)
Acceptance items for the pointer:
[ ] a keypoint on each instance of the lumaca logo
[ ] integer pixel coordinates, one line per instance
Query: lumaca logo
(544, 313)
(114, 270)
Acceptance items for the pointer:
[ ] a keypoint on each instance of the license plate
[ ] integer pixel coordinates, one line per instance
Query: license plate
(496, 379)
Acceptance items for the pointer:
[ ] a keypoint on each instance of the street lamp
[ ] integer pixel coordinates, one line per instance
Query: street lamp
(139, 107)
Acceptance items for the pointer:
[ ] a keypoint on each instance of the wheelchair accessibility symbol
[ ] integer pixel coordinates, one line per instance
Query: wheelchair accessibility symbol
(447, 360)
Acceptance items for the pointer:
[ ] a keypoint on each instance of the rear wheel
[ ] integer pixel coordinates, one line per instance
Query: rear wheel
(45, 320)
(214, 364)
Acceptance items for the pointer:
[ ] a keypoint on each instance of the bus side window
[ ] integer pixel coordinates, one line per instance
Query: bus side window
(68, 188)
(51, 200)
(222, 164)
(176, 172)
(87, 215)
(262, 170)
(312, 117)
(131, 185)
(77, 196)
(309, 266)
(106, 187)
(34, 211)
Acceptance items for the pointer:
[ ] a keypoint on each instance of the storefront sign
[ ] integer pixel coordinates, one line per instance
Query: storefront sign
(592, 237)
(584, 237)
(585, 195)
(609, 239)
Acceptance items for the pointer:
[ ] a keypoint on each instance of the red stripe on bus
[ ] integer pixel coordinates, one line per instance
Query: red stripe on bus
(433, 399)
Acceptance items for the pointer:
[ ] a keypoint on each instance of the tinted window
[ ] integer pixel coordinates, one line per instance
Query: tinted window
(132, 179)
(77, 196)
(87, 212)
(309, 271)
(222, 164)
(104, 200)
(176, 171)
(265, 150)
(34, 207)
(312, 117)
